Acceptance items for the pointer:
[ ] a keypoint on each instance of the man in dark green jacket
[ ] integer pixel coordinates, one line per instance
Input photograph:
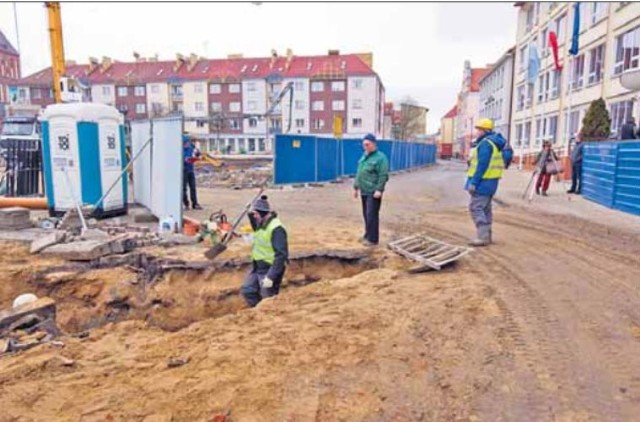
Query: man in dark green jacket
(373, 174)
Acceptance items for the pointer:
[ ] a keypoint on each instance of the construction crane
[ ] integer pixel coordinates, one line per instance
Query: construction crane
(65, 89)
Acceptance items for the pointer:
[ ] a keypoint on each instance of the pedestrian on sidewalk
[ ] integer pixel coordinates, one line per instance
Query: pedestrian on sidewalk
(576, 166)
(369, 184)
(546, 165)
(628, 130)
(190, 154)
(269, 255)
(486, 165)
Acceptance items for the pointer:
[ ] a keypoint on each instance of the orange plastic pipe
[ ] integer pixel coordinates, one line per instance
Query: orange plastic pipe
(30, 203)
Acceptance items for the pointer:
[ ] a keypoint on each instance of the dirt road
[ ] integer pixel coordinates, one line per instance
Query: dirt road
(543, 325)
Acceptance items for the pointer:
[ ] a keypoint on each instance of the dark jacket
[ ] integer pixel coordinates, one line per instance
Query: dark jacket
(373, 173)
(485, 187)
(577, 153)
(628, 131)
(280, 245)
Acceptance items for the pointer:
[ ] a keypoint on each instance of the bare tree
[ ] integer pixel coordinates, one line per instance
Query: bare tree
(412, 121)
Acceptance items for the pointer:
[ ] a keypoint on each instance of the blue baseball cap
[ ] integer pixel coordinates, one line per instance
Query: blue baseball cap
(370, 137)
(186, 138)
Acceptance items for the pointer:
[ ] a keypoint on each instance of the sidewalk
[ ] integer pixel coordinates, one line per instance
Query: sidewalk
(515, 181)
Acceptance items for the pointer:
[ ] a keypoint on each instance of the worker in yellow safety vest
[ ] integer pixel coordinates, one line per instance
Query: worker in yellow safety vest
(486, 165)
(269, 254)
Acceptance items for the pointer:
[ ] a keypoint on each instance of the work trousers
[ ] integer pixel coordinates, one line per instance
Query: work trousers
(189, 181)
(371, 213)
(576, 177)
(544, 179)
(252, 289)
(481, 214)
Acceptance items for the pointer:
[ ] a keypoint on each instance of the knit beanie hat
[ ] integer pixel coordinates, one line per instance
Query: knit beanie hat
(262, 204)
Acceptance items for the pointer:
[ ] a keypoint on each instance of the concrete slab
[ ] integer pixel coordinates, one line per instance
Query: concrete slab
(26, 235)
(44, 308)
(46, 241)
(85, 250)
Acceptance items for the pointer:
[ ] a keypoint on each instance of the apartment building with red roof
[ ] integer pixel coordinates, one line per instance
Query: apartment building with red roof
(468, 107)
(9, 70)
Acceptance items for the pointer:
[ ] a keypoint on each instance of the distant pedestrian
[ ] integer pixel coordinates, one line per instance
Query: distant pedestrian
(628, 130)
(546, 164)
(190, 155)
(576, 166)
(371, 178)
(486, 165)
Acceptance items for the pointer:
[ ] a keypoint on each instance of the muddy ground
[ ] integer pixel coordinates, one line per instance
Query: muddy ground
(543, 325)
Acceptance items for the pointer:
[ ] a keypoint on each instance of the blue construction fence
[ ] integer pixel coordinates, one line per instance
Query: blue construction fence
(611, 174)
(305, 158)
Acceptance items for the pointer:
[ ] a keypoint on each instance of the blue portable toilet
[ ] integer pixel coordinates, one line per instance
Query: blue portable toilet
(83, 155)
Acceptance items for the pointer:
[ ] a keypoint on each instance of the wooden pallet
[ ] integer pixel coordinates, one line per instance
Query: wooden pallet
(427, 251)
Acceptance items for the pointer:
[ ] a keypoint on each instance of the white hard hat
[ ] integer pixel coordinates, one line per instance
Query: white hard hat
(23, 299)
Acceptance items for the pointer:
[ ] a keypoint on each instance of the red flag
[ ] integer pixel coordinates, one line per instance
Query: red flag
(553, 42)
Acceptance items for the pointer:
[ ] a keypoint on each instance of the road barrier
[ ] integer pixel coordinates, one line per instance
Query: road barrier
(611, 174)
(306, 158)
(23, 168)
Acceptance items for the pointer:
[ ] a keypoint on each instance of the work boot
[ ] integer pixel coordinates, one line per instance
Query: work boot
(537, 191)
(477, 242)
(197, 207)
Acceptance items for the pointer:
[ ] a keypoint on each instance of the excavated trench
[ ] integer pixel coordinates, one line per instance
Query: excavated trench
(171, 295)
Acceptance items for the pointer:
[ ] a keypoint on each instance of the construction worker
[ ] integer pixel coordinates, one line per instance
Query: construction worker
(371, 178)
(269, 255)
(190, 154)
(486, 165)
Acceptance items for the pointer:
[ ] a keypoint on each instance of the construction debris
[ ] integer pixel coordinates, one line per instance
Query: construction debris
(22, 316)
(15, 218)
(428, 252)
(48, 240)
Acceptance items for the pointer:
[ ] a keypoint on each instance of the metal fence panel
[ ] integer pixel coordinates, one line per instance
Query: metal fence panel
(327, 160)
(294, 159)
(23, 167)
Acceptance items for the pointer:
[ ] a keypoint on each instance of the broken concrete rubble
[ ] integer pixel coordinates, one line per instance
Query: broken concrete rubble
(48, 240)
(43, 308)
(15, 218)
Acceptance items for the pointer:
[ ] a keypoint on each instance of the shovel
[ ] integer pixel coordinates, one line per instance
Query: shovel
(218, 248)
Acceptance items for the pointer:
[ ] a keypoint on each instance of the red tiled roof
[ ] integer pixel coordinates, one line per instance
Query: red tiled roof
(6, 47)
(213, 69)
(476, 75)
(452, 113)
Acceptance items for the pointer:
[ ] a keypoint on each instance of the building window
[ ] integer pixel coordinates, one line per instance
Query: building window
(356, 122)
(214, 89)
(522, 59)
(518, 135)
(530, 18)
(317, 86)
(253, 122)
(198, 106)
(299, 105)
(561, 23)
(540, 123)
(598, 11)
(299, 123)
(337, 105)
(573, 122)
(357, 84)
(583, 15)
(356, 104)
(155, 88)
(35, 93)
(529, 99)
(234, 106)
(141, 108)
(216, 107)
(577, 72)
(198, 88)
(234, 124)
(252, 105)
(541, 90)
(620, 112)
(200, 123)
(337, 86)
(596, 64)
(627, 51)
(138, 91)
(251, 86)
(556, 83)
(106, 90)
(234, 88)
(122, 91)
(317, 106)
(520, 98)
(298, 86)
(318, 124)
(552, 128)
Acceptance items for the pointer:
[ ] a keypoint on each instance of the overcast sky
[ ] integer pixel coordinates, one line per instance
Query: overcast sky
(418, 49)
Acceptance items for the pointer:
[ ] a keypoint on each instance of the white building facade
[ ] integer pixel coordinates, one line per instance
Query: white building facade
(495, 93)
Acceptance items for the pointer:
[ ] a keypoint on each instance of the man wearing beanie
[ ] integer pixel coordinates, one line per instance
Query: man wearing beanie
(371, 178)
(269, 255)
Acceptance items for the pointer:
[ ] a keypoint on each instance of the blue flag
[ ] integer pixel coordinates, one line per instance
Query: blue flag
(534, 64)
(576, 30)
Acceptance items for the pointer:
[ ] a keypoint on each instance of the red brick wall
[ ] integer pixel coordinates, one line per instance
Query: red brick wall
(225, 98)
(129, 101)
(327, 96)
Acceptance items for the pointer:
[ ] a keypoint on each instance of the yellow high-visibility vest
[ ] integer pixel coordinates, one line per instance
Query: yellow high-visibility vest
(496, 166)
(262, 247)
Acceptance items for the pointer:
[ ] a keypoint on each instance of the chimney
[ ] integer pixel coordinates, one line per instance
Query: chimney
(274, 57)
(136, 56)
(70, 63)
(93, 65)
(106, 64)
(235, 56)
(367, 58)
(193, 61)
(179, 62)
(289, 58)
(334, 52)
(154, 58)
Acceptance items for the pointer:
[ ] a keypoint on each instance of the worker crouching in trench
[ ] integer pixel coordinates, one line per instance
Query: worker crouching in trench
(269, 255)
